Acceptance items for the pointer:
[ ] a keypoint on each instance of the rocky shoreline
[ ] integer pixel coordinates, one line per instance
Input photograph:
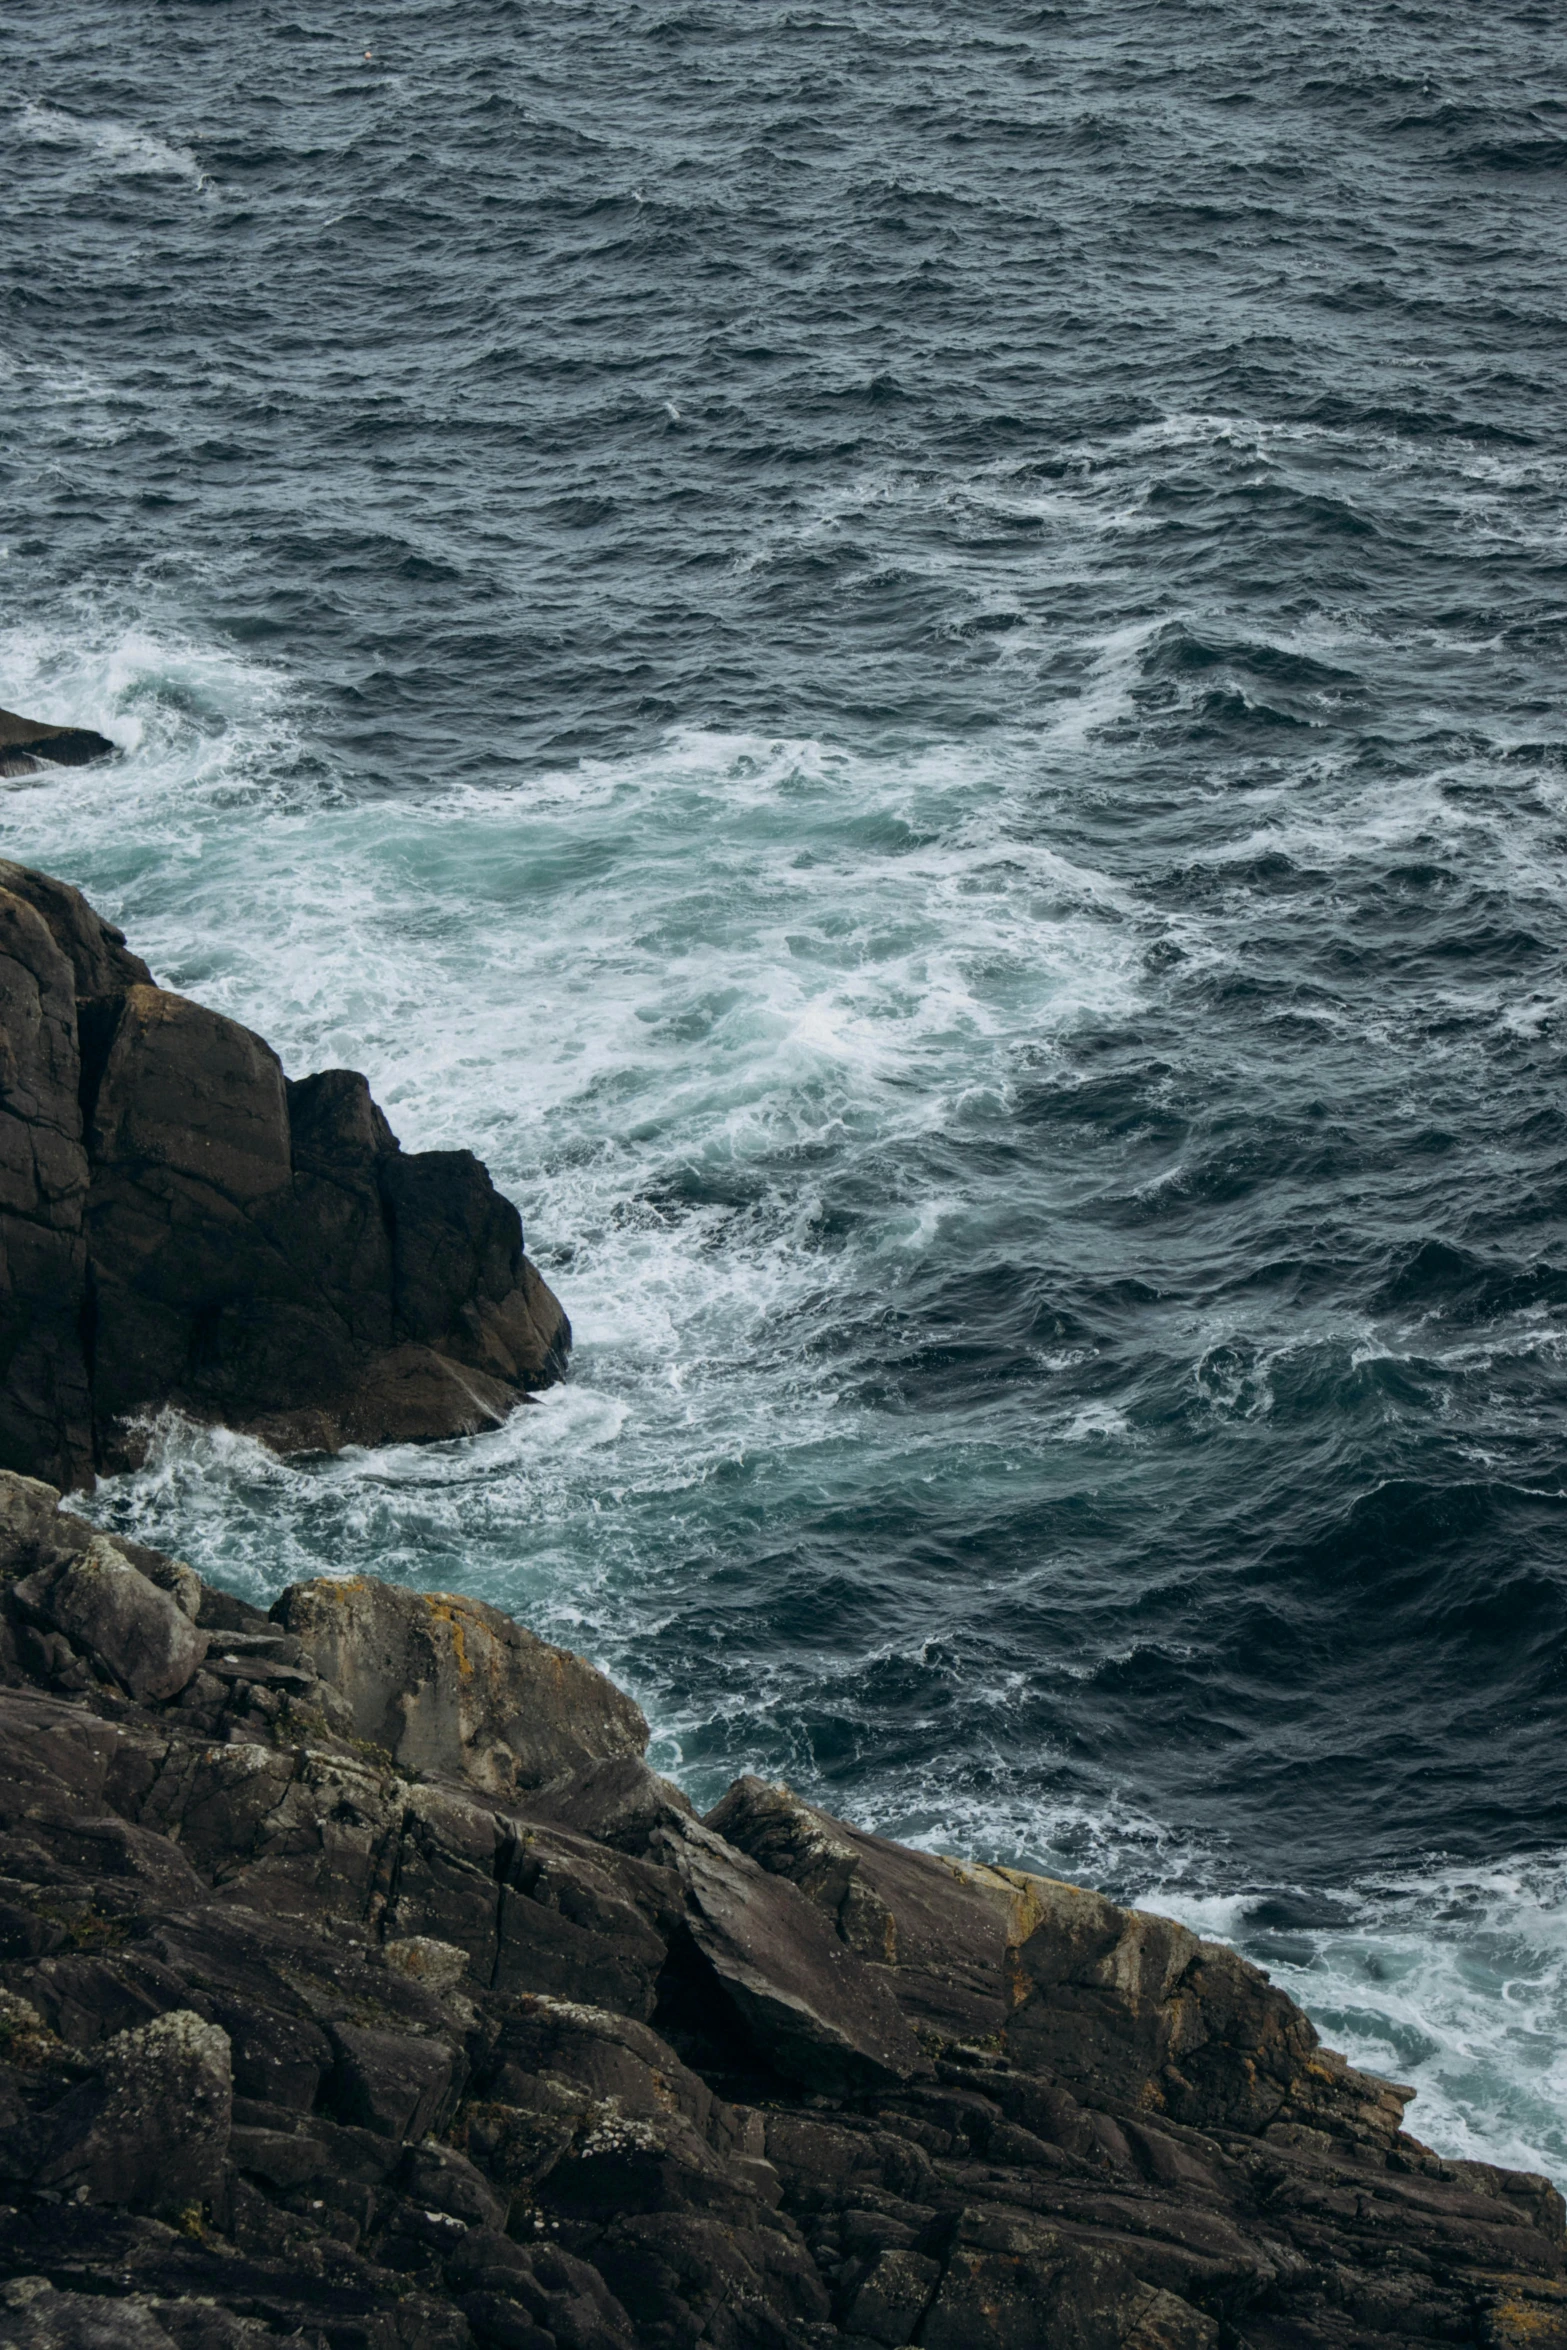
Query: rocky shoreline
(363, 1986)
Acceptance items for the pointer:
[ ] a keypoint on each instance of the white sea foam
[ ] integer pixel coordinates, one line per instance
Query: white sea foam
(594, 1021)
(118, 146)
(1453, 1980)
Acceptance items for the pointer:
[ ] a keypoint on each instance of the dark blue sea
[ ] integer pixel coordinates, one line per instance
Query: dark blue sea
(912, 660)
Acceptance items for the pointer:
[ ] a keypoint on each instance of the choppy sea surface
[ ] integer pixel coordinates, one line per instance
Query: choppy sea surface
(910, 660)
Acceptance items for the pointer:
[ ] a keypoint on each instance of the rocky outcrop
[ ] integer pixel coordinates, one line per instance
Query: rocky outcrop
(182, 1224)
(28, 746)
(361, 1985)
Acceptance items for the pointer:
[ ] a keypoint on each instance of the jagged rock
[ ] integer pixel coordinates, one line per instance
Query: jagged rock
(557, 2065)
(28, 745)
(1117, 2005)
(181, 1224)
(616, 1800)
(583, 1920)
(1013, 2281)
(453, 1688)
(904, 1910)
(45, 1402)
(394, 2083)
(816, 2010)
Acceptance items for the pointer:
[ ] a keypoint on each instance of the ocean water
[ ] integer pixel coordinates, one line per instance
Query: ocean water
(911, 661)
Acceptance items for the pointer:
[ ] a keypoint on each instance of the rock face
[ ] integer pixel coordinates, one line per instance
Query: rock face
(182, 1224)
(361, 1986)
(456, 1689)
(27, 745)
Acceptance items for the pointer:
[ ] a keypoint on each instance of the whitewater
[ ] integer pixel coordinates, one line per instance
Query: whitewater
(910, 665)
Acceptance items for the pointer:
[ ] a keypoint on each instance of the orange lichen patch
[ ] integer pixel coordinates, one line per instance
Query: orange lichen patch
(1521, 2321)
(447, 1610)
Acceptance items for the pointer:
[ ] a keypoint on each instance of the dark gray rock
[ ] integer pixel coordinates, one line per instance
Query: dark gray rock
(393, 2083)
(815, 2010)
(616, 1800)
(582, 1920)
(33, 2316)
(441, 2179)
(28, 744)
(45, 1400)
(1116, 2005)
(151, 2130)
(107, 1608)
(908, 1911)
(180, 1224)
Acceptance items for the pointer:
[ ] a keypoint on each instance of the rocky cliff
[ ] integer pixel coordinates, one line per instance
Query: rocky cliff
(361, 1986)
(182, 1224)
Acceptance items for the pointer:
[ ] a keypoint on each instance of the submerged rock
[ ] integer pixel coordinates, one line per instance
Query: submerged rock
(361, 1985)
(182, 1224)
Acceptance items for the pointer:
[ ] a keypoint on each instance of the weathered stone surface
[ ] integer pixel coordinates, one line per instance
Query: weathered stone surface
(151, 2131)
(583, 1920)
(394, 2083)
(816, 2011)
(454, 1688)
(616, 1800)
(33, 2316)
(102, 966)
(45, 1403)
(181, 1224)
(417, 2063)
(1119, 2006)
(103, 1605)
(947, 1938)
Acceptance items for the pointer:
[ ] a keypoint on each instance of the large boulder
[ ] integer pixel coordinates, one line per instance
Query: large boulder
(944, 1932)
(45, 1396)
(816, 2012)
(140, 1635)
(1121, 2006)
(452, 1688)
(182, 1224)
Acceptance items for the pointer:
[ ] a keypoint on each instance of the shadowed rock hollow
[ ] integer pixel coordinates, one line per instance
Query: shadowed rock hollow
(361, 1987)
(182, 1224)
